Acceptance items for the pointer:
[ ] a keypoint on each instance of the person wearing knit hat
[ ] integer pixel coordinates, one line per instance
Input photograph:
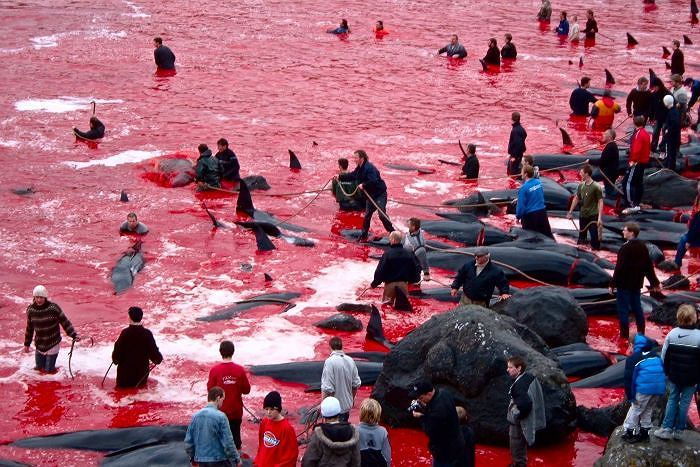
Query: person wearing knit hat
(671, 139)
(43, 320)
(133, 350)
(277, 442)
(333, 442)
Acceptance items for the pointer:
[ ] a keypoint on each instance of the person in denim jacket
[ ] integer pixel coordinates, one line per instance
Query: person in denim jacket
(209, 441)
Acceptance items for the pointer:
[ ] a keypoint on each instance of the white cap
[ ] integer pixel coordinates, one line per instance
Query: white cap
(668, 101)
(40, 291)
(330, 407)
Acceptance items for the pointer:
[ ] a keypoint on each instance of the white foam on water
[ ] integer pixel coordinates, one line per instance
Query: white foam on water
(125, 157)
(61, 105)
(42, 42)
(9, 143)
(136, 10)
(425, 186)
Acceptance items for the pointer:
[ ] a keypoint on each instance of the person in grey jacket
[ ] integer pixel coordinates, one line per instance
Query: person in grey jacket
(525, 412)
(375, 450)
(454, 48)
(340, 378)
(415, 242)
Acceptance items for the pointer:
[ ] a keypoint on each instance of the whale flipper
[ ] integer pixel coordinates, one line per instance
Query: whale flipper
(263, 241)
(375, 329)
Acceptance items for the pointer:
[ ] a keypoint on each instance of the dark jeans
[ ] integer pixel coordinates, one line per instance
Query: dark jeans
(655, 136)
(633, 184)
(537, 221)
(629, 300)
(370, 209)
(226, 463)
(236, 432)
(680, 251)
(589, 225)
(45, 362)
(518, 445)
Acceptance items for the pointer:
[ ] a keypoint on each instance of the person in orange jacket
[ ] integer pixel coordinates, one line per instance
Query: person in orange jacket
(604, 111)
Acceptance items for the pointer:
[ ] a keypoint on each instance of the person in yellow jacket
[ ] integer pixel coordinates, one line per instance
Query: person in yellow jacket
(604, 111)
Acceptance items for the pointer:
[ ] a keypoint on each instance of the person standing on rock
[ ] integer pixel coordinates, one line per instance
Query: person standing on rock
(340, 378)
(530, 210)
(590, 218)
(645, 381)
(526, 412)
(396, 268)
(478, 278)
(681, 356)
(43, 319)
(633, 264)
(133, 350)
(438, 415)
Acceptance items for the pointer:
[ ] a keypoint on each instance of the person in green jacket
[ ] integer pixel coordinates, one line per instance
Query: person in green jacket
(208, 170)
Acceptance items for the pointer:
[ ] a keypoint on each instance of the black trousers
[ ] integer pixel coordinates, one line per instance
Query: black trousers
(671, 155)
(370, 209)
(633, 184)
(514, 166)
(589, 226)
(537, 221)
(236, 432)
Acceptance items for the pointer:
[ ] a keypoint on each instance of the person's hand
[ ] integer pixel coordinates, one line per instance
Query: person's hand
(512, 159)
(361, 186)
(505, 296)
(417, 414)
(569, 215)
(453, 292)
(26, 349)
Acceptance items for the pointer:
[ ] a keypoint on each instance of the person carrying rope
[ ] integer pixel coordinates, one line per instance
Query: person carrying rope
(356, 202)
(590, 218)
(372, 185)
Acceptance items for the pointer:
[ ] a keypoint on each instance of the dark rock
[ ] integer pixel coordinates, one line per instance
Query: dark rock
(256, 182)
(340, 322)
(664, 188)
(654, 453)
(354, 307)
(667, 266)
(676, 282)
(465, 351)
(552, 312)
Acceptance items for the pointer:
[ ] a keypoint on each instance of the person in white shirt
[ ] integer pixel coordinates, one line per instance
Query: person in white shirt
(574, 29)
(340, 378)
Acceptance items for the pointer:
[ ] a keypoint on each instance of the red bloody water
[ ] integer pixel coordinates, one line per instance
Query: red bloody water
(264, 75)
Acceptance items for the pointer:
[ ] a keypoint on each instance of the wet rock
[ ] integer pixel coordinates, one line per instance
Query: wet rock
(663, 188)
(465, 351)
(552, 312)
(655, 452)
(665, 312)
(340, 322)
(601, 420)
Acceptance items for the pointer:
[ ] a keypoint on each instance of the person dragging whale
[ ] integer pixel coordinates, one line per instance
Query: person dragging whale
(373, 187)
(133, 350)
(396, 268)
(207, 170)
(478, 278)
(356, 202)
(133, 226)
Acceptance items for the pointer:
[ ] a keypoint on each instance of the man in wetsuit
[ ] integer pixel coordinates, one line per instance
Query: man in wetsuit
(229, 162)
(96, 131)
(164, 57)
(454, 48)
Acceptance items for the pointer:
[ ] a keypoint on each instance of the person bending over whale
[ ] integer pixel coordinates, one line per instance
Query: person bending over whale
(164, 57)
(133, 226)
(230, 168)
(96, 131)
(133, 350)
(581, 97)
(493, 55)
(208, 169)
(374, 189)
(478, 278)
(454, 48)
(397, 268)
(508, 51)
(342, 29)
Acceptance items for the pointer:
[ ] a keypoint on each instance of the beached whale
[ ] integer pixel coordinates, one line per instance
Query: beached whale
(309, 373)
(281, 298)
(475, 233)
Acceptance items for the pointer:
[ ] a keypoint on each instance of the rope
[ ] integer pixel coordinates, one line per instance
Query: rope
(144, 377)
(255, 418)
(102, 384)
(70, 357)
(232, 192)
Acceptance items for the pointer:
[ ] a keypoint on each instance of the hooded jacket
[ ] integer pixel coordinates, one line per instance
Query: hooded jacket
(607, 108)
(644, 371)
(208, 169)
(333, 445)
(681, 356)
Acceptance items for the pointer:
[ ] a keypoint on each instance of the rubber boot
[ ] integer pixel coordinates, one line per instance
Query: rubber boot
(628, 436)
(625, 332)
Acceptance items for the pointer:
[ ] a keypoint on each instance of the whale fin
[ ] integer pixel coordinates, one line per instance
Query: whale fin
(565, 138)
(244, 203)
(652, 75)
(375, 329)
(211, 216)
(609, 79)
(293, 160)
(580, 62)
(401, 302)
(462, 149)
(571, 62)
(123, 197)
(668, 65)
(686, 40)
(694, 7)
(314, 143)
(268, 278)
(666, 52)
(263, 241)
(631, 40)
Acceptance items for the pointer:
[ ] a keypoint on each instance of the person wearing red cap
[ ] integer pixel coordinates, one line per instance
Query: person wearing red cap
(277, 441)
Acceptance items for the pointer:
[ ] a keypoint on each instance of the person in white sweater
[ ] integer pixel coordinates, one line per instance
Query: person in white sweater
(574, 29)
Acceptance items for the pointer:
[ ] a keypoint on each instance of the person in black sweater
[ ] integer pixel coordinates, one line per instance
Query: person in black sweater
(478, 278)
(230, 168)
(372, 185)
(677, 59)
(397, 267)
(470, 169)
(657, 110)
(671, 140)
(639, 99)
(164, 57)
(591, 26)
(609, 163)
(508, 51)
(132, 351)
(516, 145)
(96, 131)
(525, 412)
(437, 412)
(493, 55)
(581, 97)
(633, 264)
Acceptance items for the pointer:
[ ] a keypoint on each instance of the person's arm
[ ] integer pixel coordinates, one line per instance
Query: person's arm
(522, 201)
(189, 443)
(649, 271)
(356, 381)
(442, 51)
(459, 279)
(665, 347)
(574, 203)
(694, 94)
(153, 353)
(156, 57)
(630, 100)
(502, 283)
(117, 352)
(66, 324)
(600, 208)
(211, 382)
(379, 273)
(28, 333)
(327, 380)
(571, 99)
(199, 170)
(226, 440)
(386, 450)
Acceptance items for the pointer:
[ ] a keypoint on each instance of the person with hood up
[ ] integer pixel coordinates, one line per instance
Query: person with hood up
(645, 382)
(208, 169)
(526, 410)
(545, 12)
(604, 111)
(96, 131)
(333, 443)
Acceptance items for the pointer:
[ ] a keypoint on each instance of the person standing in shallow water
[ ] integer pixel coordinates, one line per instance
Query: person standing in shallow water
(454, 48)
(470, 169)
(508, 51)
(591, 26)
(164, 57)
(493, 55)
(343, 28)
(96, 131)
(545, 13)
(563, 28)
(133, 350)
(530, 210)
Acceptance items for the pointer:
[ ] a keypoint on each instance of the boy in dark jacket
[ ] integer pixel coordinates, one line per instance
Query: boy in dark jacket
(333, 443)
(230, 168)
(645, 381)
(133, 350)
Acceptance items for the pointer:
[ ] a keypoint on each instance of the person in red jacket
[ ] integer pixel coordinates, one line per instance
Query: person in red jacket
(640, 151)
(233, 380)
(277, 441)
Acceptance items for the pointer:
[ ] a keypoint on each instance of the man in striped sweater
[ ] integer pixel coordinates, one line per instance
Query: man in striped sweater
(43, 319)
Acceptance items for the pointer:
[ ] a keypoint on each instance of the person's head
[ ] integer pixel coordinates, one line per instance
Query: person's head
(413, 224)
(609, 135)
(343, 23)
(157, 42)
(574, 18)
(516, 366)
(395, 238)
(481, 256)
(586, 172)
(529, 160)
(562, 15)
(668, 101)
(222, 144)
(454, 40)
(515, 116)
(132, 221)
(330, 408)
(528, 171)
(676, 80)
(135, 314)
(226, 349)
(676, 44)
(272, 405)
(94, 122)
(686, 315)
(471, 148)
(202, 148)
(630, 230)
(336, 343)
(508, 37)
(40, 295)
(216, 395)
(379, 26)
(639, 121)
(370, 411)
(423, 391)
(688, 81)
(585, 82)
(492, 42)
(360, 157)
(589, 13)
(642, 83)
(343, 164)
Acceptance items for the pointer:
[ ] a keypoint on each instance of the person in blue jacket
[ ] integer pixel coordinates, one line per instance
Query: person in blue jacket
(563, 28)
(530, 210)
(689, 239)
(581, 97)
(645, 381)
(342, 29)
(374, 189)
(694, 86)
